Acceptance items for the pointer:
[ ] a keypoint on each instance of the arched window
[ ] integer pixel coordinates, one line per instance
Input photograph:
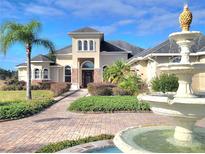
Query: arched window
(36, 73)
(67, 73)
(104, 67)
(85, 45)
(91, 45)
(79, 45)
(87, 65)
(45, 74)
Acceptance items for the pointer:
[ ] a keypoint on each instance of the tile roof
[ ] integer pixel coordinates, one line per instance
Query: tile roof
(85, 29)
(40, 58)
(22, 64)
(109, 47)
(65, 50)
(169, 46)
(127, 46)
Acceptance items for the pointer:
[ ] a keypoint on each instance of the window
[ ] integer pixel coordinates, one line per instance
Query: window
(79, 45)
(45, 74)
(87, 65)
(91, 45)
(36, 74)
(67, 74)
(104, 67)
(85, 45)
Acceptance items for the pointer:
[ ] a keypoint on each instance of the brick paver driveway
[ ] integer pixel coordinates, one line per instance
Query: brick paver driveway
(56, 124)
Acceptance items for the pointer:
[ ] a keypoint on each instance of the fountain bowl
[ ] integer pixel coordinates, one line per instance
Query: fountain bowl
(155, 139)
(192, 108)
(185, 36)
(182, 68)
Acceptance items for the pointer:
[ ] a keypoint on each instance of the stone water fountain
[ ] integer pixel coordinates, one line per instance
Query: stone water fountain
(185, 107)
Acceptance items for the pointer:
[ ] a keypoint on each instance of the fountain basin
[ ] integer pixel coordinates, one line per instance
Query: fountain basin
(176, 107)
(181, 68)
(185, 35)
(154, 139)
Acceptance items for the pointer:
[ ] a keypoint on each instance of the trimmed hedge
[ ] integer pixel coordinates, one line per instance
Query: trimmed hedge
(14, 106)
(120, 92)
(55, 147)
(14, 84)
(59, 88)
(108, 104)
(100, 89)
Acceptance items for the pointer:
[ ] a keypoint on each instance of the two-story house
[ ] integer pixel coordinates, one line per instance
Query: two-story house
(81, 62)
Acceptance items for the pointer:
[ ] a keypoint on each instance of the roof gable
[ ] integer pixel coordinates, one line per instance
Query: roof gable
(85, 30)
(108, 47)
(127, 46)
(169, 46)
(65, 50)
(40, 58)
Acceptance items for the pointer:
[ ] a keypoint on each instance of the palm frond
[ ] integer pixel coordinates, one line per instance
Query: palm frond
(33, 27)
(9, 34)
(46, 43)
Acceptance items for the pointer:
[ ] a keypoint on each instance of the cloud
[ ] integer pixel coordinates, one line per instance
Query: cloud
(43, 10)
(90, 8)
(109, 29)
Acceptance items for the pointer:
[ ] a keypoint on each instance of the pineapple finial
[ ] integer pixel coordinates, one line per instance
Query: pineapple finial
(185, 18)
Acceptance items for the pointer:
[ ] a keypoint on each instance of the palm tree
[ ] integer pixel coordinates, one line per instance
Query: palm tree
(12, 32)
(116, 72)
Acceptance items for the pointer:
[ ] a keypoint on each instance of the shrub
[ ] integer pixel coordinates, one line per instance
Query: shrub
(120, 91)
(13, 105)
(131, 83)
(59, 88)
(41, 86)
(115, 72)
(55, 147)
(165, 83)
(108, 104)
(14, 84)
(100, 89)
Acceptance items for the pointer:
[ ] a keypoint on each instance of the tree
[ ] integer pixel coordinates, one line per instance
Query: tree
(116, 72)
(25, 34)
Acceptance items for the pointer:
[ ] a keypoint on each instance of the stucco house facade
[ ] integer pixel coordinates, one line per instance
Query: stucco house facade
(145, 63)
(81, 62)
(84, 60)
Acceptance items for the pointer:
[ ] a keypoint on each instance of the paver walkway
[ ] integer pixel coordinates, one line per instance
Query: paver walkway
(57, 124)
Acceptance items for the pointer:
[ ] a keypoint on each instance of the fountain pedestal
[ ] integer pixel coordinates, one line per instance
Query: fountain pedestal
(184, 130)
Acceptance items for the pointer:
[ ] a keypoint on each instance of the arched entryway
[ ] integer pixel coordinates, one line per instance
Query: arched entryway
(87, 68)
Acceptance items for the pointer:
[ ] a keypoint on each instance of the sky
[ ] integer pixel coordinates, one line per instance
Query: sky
(143, 23)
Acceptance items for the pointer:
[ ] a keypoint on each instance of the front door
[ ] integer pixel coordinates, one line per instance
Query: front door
(87, 77)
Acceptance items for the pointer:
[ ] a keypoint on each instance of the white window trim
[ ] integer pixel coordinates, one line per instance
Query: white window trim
(39, 74)
(67, 75)
(87, 68)
(88, 45)
(43, 74)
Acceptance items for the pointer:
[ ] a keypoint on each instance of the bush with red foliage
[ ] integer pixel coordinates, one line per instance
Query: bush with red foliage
(59, 88)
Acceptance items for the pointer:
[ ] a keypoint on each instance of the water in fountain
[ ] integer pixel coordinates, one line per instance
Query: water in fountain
(185, 107)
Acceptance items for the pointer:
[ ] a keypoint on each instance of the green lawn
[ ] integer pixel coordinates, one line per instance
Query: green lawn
(55, 147)
(13, 104)
(108, 104)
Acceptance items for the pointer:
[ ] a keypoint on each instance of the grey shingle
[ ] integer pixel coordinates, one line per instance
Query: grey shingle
(108, 47)
(65, 50)
(85, 29)
(171, 47)
(40, 58)
(22, 64)
(127, 46)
